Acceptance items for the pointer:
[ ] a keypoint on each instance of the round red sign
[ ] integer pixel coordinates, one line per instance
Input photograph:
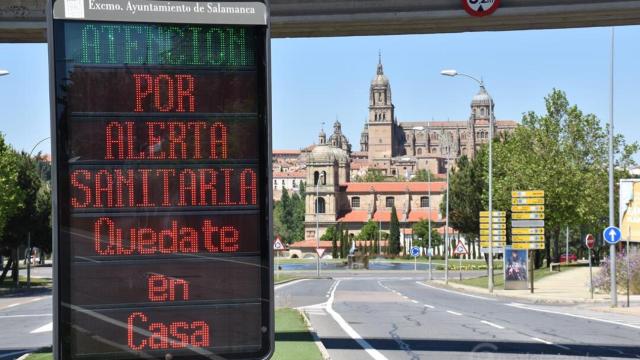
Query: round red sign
(480, 7)
(590, 241)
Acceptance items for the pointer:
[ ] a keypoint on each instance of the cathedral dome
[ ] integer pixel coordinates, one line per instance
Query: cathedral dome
(327, 153)
(380, 79)
(482, 98)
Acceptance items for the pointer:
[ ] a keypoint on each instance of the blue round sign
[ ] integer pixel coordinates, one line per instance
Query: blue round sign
(612, 235)
(415, 251)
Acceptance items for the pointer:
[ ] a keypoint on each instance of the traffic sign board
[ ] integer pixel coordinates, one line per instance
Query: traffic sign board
(495, 238)
(495, 214)
(497, 220)
(527, 238)
(480, 8)
(320, 251)
(527, 201)
(415, 251)
(494, 232)
(590, 241)
(277, 245)
(527, 208)
(528, 246)
(612, 235)
(527, 223)
(460, 249)
(527, 231)
(494, 226)
(528, 194)
(496, 250)
(527, 216)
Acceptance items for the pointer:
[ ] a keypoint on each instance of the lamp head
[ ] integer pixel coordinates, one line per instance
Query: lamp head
(449, 72)
(4, 72)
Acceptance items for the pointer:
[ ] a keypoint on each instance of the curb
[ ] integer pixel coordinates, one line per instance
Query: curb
(533, 299)
(23, 357)
(316, 338)
(302, 278)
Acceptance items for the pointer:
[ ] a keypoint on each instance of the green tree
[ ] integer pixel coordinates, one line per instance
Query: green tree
(423, 175)
(394, 233)
(421, 232)
(329, 234)
(372, 175)
(11, 195)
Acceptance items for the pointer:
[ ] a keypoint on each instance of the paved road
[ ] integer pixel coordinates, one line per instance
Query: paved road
(25, 323)
(403, 318)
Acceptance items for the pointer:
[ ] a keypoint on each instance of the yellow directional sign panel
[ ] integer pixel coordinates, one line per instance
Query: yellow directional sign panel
(495, 238)
(494, 232)
(495, 220)
(495, 244)
(494, 226)
(527, 216)
(527, 238)
(527, 208)
(495, 213)
(528, 194)
(527, 246)
(527, 201)
(527, 231)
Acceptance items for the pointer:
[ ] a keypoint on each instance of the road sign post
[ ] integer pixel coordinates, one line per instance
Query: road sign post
(278, 246)
(460, 251)
(527, 225)
(161, 128)
(590, 242)
(415, 252)
(612, 236)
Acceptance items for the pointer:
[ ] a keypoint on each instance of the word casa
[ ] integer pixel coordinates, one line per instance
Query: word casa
(143, 334)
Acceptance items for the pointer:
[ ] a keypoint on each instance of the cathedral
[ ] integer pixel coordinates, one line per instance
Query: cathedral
(401, 148)
(397, 149)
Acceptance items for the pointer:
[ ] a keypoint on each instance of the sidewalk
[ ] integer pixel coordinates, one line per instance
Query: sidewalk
(570, 286)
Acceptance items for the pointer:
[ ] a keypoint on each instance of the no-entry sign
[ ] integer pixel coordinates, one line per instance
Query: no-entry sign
(480, 7)
(590, 241)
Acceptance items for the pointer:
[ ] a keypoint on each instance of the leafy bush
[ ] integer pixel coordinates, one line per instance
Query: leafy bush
(602, 280)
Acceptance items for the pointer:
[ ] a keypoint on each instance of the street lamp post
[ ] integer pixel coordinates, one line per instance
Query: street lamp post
(447, 143)
(453, 73)
(612, 248)
(429, 251)
(320, 178)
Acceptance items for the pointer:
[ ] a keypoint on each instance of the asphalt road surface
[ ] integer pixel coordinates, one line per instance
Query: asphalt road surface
(399, 316)
(405, 318)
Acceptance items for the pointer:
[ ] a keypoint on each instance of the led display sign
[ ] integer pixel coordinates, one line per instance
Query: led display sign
(160, 116)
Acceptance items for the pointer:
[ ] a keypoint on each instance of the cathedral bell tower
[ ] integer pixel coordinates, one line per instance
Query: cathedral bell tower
(381, 117)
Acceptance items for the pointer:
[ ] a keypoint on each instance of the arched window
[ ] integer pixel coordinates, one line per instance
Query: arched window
(294, 184)
(316, 176)
(482, 112)
(324, 178)
(355, 202)
(424, 201)
(419, 151)
(389, 201)
(320, 206)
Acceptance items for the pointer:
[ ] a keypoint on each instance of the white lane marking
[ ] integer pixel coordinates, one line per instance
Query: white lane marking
(44, 328)
(542, 341)
(492, 324)
(521, 306)
(405, 297)
(23, 303)
(278, 287)
(455, 292)
(454, 313)
(349, 330)
(12, 305)
(414, 301)
(429, 306)
(23, 316)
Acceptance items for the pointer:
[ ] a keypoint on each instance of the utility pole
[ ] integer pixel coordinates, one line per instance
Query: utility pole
(612, 248)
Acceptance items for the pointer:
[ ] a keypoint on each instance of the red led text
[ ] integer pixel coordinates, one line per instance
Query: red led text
(163, 288)
(167, 92)
(166, 140)
(143, 334)
(163, 187)
(110, 240)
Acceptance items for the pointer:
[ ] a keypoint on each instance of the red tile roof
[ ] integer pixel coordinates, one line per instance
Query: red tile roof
(384, 216)
(357, 216)
(398, 187)
(310, 244)
(417, 215)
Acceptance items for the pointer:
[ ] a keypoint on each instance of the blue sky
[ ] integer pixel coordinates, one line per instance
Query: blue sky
(317, 80)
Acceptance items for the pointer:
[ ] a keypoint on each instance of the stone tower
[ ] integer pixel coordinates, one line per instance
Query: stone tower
(482, 116)
(381, 122)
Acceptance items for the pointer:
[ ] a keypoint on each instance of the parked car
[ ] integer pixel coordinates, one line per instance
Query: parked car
(572, 257)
